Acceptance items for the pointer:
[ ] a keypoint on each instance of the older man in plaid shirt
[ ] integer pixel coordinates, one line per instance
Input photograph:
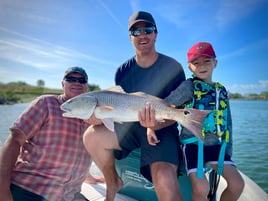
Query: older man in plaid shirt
(57, 162)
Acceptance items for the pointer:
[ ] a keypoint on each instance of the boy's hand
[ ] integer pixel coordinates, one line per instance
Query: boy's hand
(151, 137)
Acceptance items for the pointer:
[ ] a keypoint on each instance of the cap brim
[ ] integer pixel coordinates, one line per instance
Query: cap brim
(78, 72)
(201, 55)
(141, 20)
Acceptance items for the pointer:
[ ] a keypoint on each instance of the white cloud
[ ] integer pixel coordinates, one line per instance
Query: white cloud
(260, 47)
(208, 14)
(261, 86)
(111, 14)
(135, 5)
(20, 13)
(38, 53)
(234, 10)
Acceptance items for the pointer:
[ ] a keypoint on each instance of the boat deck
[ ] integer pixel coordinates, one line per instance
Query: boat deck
(251, 192)
(96, 192)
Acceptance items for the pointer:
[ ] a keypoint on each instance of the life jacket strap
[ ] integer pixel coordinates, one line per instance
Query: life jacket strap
(200, 160)
(221, 158)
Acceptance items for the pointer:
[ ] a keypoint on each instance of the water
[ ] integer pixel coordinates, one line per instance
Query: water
(250, 135)
(8, 114)
(250, 130)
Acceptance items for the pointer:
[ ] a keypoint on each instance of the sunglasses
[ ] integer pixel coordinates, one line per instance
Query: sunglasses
(81, 80)
(137, 31)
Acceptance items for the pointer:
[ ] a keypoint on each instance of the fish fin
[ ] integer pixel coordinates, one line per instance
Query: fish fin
(109, 123)
(80, 116)
(193, 121)
(116, 88)
(139, 93)
(151, 97)
(106, 108)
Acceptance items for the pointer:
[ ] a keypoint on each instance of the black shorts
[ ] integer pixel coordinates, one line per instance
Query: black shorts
(211, 156)
(168, 150)
(20, 194)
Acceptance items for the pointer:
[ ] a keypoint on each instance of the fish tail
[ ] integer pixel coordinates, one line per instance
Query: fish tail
(193, 121)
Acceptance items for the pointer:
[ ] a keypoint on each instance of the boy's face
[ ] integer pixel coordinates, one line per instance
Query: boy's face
(202, 68)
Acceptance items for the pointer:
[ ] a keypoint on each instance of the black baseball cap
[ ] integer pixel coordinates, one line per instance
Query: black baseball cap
(141, 16)
(75, 70)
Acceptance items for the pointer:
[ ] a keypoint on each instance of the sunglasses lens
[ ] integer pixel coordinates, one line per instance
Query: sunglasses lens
(147, 30)
(76, 79)
(136, 32)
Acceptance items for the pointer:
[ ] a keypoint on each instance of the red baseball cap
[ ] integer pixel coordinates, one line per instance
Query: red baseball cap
(201, 49)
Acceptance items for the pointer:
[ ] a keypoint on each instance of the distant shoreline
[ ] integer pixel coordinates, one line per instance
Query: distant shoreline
(28, 100)
(21, 92)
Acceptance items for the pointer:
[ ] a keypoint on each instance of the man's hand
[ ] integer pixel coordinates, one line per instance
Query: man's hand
(147, 117)
(93, 120)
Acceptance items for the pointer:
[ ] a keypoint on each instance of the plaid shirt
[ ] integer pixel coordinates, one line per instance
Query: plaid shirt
(58, 161)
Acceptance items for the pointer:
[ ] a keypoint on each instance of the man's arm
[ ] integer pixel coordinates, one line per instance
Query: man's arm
(8, 157)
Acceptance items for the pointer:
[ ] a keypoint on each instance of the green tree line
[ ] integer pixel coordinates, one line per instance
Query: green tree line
(252, 96)
(17, 92)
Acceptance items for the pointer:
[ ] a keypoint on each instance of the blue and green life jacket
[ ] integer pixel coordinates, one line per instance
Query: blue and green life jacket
(210, 97)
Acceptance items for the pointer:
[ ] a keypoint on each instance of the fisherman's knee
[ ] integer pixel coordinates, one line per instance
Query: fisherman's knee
(88, 137)
(87, 133)
(163, 173)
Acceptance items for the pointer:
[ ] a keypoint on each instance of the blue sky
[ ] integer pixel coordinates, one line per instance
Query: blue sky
(40, 39)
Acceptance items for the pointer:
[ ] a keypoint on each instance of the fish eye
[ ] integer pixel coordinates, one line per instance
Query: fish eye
(186, 112)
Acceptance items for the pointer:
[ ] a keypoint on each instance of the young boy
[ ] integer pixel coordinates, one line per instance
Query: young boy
(216, 149)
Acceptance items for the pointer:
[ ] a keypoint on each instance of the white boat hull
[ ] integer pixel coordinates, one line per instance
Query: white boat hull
(252, 192)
